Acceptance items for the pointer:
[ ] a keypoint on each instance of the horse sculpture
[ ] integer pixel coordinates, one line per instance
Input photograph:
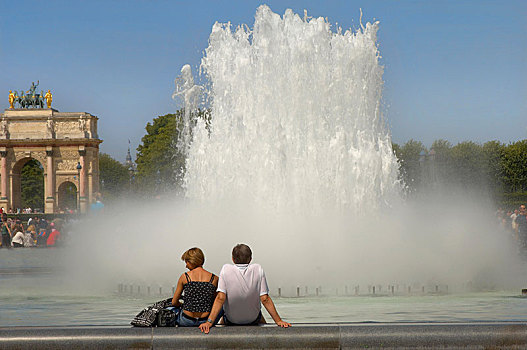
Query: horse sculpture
(30, 100)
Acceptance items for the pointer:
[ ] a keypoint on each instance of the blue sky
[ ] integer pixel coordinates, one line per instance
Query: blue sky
(454, 70)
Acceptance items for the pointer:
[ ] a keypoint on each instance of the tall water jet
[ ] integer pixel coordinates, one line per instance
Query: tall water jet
(296, 119)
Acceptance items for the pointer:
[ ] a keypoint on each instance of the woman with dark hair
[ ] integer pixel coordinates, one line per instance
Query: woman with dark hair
(198, 287)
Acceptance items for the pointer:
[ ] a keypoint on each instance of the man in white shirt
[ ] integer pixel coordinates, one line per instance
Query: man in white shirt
(242, 288)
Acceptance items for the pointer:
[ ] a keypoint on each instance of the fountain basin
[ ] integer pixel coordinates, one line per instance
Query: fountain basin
(502, 335)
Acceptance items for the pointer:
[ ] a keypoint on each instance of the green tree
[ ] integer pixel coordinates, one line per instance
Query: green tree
(32, 185)
(493, 152)
(442, 161)
(514, 167)
(468, 164)
(114, 177)
(410, 166)
(160, 162)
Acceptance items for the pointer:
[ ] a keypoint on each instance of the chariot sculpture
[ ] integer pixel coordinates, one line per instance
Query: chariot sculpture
(30, 99)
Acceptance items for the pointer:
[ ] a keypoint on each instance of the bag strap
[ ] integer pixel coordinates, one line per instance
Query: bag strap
(211, 279)
(188, 277)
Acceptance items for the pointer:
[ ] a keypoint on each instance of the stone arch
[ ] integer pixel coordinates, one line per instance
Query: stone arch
(59, 142)
(67, 196)
(16, 176)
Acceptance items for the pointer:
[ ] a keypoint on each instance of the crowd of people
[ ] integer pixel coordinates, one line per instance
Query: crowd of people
(36, 232)
(515, 222)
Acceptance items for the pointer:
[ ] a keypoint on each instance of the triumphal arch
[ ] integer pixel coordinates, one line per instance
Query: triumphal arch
(65, 144)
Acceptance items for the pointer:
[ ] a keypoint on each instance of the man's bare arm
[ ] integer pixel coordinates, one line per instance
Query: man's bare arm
(271, 309)
(216, 307)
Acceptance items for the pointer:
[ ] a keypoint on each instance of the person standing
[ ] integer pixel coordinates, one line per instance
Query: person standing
(6, 232)
(242, 290)
(53, 236)
(521, 221)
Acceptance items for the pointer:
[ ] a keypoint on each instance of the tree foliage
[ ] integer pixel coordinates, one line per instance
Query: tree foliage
(114, 177)
(409, 160)
(32, 185)
(160, 162)
(493, 167)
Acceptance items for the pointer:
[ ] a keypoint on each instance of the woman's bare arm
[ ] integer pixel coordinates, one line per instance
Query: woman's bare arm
(179, 290)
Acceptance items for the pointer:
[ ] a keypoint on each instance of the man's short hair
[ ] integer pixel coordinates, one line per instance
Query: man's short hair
(242, 254)
(194, 256)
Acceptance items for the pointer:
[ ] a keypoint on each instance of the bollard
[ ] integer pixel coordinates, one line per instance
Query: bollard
(392, 290)
(297, 291)
(409, 290)
(279, 291)
(160, 291)
(148, 290)
(423, 289)
(316, 291)
(306, 291)
(437, 288)
(131, 289)
(374, 290)
(138, 289)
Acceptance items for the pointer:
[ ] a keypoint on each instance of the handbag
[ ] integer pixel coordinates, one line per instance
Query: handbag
(148, 317)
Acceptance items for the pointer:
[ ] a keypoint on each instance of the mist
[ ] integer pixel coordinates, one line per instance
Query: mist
(437, 240)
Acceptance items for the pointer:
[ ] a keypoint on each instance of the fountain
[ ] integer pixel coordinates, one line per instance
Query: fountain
(297, 124)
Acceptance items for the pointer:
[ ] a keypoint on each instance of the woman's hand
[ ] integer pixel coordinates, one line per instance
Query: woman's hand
(205, 327)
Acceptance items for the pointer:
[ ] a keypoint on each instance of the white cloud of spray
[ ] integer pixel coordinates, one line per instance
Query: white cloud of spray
(432, 241)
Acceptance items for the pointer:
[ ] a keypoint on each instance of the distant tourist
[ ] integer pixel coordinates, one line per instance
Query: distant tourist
(5, 229)
(199, 288)
(521, 221)
(514, 225)
(30, 236)
(53, 236)
(241, 291)
(18, 236)
(97, 205)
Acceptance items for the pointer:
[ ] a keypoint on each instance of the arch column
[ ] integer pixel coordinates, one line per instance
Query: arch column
(82, 181)
(4, 199)
(50, 181)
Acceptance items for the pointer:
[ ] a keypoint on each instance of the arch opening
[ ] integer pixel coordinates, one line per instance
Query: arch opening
(67, 197)
(28, 185)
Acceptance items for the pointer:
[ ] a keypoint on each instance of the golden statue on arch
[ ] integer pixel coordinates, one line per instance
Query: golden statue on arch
(49, 98)
(11, 99)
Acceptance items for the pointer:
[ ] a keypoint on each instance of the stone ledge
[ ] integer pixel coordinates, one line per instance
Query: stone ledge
(494, 335)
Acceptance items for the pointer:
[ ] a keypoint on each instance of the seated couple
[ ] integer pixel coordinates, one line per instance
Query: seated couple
(236, 295)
